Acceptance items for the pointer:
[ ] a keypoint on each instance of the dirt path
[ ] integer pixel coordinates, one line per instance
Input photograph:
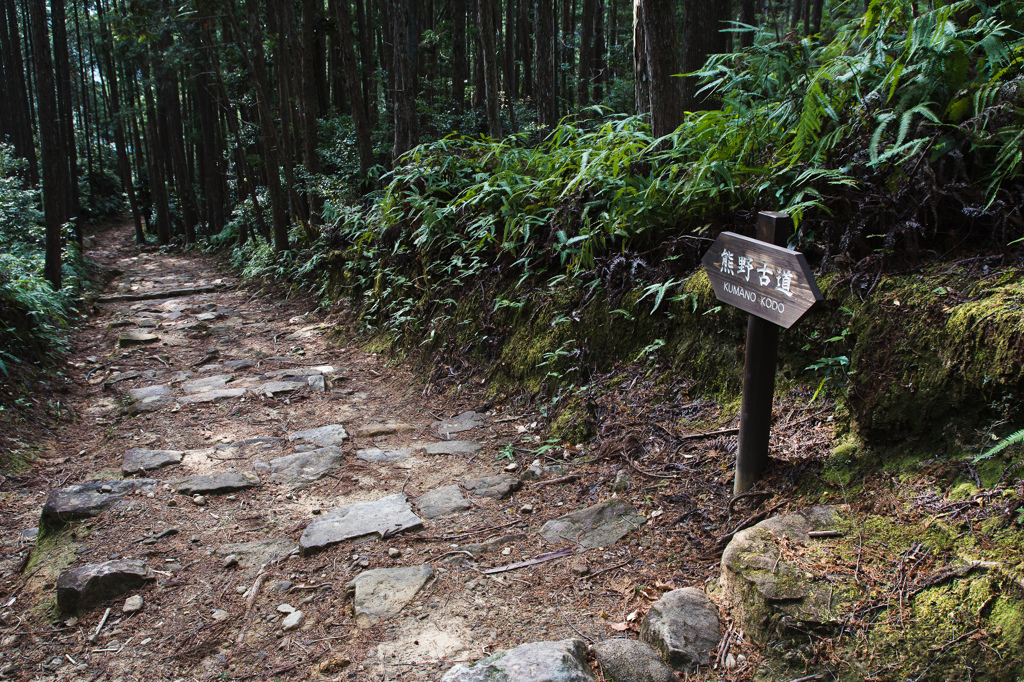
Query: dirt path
(201, 481)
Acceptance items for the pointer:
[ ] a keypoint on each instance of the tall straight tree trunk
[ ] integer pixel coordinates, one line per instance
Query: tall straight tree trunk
(310, 39)
(49, 142)
(485, 23)
(816, 10)
(460, 66)
(565, 67)
(17, 117)
(524, 34)
(662, 65)
(62, 73)
(157, 177)
(364, 9)
(287, 84)
(511, 68)
(599, 73)
(257, 66)
(748, 16)
(702, 36)
(173, 136)
(586, 72)
(123, 164)
(641, 74)
(546, 83)
(350, 75)
(404, 38)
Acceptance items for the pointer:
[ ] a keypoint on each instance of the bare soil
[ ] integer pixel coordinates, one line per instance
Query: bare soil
(681, 485)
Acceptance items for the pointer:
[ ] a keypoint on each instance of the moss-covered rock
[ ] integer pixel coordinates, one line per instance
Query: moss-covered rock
(769, 585)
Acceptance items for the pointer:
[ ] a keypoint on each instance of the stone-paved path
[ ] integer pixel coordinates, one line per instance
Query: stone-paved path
(243, 495)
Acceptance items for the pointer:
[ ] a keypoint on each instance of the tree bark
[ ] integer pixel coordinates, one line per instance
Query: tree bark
(546, 82)
(702, 37)
(584, 81)
(748, 16)
(310, 105)
(485, 23)
(157, 179)
(257, 65)
(123, 164)
(49, 142)
(62, 74)
(404, 38)
(460, 66)
(350, 75)
(17, 114)
(641, 74)
(369, 59)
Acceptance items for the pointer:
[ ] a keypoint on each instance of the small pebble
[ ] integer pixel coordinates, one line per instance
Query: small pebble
(133, 604)
(286, 608)
(199, 500)
(506, 551)
(106, 489)
(172, 503)
(220, 615)
(241, 589)
(151, 495)
(512, 466)
(526, 509)
(394, 552)
(195, 539)
(363, 563)
(730, 662)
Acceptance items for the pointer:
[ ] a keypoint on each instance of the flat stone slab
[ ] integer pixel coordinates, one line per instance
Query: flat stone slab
(138, 460)
(463, 422)
(441, 502)
(452, 447)
(495, 487)
(563, 661)
(627, 660)
(600, 525)
(383, 456)
(271, 388)
(384, 592)
(139, 394)
(374, 429)
(332, 434)
(239, 364)
(86, 586)
(213, 484)
(207, 383)
(384, 517)
(684, 626)
(136, 338)
(304, 466)
(148, 405)
(248, 557)
(89, 499)
(212, 396)
(296, 372)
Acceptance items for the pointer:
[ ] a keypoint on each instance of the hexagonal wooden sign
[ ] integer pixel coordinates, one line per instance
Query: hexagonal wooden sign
(771, 282)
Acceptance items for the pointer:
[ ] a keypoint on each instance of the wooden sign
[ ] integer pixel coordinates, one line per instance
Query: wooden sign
(768, 281)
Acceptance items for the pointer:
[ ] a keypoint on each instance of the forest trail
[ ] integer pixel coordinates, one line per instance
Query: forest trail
(240, 465)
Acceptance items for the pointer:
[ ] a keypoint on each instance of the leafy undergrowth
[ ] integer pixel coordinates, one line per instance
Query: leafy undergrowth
(33, 317)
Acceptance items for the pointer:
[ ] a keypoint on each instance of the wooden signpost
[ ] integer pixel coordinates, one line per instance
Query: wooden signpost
(776, 286)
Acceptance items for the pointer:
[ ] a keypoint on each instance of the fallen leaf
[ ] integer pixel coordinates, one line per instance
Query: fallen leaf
(620, 626)
(633, 616)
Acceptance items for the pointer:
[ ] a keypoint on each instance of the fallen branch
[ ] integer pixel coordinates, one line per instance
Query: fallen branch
(708, 434)
(153, 295)
(550, 556)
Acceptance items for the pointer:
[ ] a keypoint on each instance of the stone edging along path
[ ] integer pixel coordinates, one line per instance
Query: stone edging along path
(243, 496)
